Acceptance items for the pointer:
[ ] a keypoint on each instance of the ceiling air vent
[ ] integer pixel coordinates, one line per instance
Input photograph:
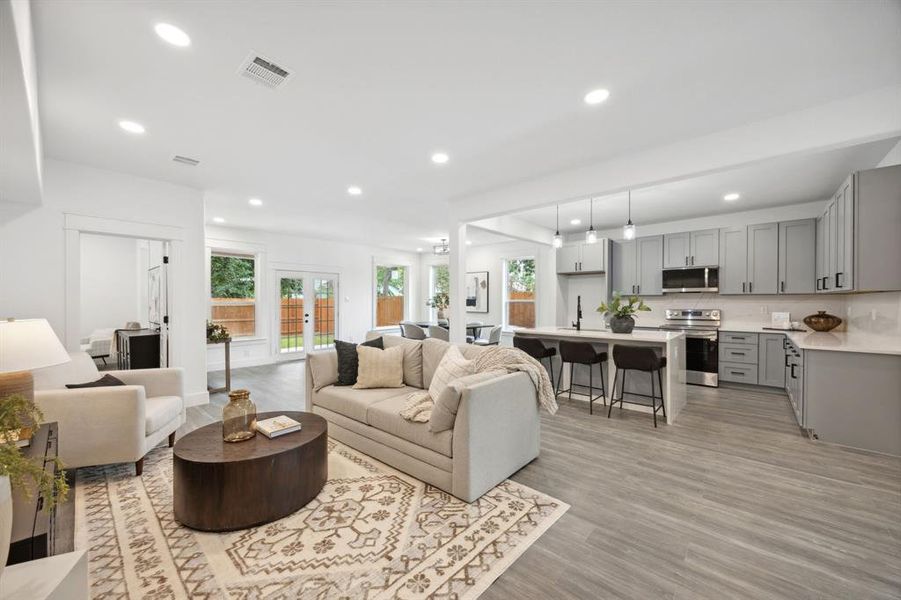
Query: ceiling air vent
(264, 71)
(191, 162)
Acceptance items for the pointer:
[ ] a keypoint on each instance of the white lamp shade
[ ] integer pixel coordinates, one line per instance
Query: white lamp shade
(29, 344)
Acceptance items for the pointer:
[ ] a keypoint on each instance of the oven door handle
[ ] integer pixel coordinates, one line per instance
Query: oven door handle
(701, 336)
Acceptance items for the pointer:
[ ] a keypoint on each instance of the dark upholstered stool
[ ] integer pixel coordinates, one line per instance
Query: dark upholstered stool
(538, 351)
(637, 358)
(582, 353)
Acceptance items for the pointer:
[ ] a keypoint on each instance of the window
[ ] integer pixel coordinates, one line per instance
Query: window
(390, 295)
(519, 292)
(233, 293)
(439, 289)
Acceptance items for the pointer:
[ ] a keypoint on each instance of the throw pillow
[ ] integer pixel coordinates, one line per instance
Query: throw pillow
(380, 368)
(105, 381)
(452, 366)
(348, 363)
(323, 369)
(412, 358)
(444, 412)
(433, 351)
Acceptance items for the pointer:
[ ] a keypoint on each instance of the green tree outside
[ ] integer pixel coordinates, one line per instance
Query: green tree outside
(231, 277)
(390, 280)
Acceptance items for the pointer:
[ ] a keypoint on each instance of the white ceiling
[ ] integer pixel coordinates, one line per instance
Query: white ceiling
(780, 182)
(379, 86)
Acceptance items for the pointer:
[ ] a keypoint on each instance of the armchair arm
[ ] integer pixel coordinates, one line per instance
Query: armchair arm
(97, 426)
(497, 432)
(156, 382)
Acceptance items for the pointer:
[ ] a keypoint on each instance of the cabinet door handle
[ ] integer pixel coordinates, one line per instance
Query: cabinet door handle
(793, 371)
(826, 283)
(750, 287)
(837, 275)
(638, 289)
(686, 261)
(787, 356)
(819, 282)
(781, 286)
(692, 260)
(742, 287)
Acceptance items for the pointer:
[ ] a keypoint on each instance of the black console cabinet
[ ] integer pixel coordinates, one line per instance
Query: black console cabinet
(138, 348)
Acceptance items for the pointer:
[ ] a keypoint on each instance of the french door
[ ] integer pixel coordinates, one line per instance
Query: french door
(307, 313)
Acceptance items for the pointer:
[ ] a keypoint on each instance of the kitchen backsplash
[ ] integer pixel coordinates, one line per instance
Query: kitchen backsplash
(876, 313)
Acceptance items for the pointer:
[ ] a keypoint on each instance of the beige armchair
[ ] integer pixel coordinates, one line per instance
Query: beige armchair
(105, 425)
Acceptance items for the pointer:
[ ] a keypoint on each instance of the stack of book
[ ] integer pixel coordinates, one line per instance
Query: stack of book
(277, 426)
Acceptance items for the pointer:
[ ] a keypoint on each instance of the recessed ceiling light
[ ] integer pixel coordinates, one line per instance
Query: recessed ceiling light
(419, 249)
(469, 242)
(440, 158)
(354, 190)
(132, 126)
(596, 96)
(218, 220)
(576, 222)
(172, 34)
(731, 196)
(255, 202)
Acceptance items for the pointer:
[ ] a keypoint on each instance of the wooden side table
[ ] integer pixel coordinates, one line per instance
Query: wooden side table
(228, 368)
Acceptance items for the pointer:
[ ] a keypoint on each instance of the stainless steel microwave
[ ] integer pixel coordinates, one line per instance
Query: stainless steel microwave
(691, 279)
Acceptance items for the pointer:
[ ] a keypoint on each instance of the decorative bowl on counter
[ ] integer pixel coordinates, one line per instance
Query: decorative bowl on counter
(822, 321)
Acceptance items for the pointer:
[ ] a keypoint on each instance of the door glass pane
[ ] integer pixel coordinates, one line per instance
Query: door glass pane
(291, 314)
(324, 317)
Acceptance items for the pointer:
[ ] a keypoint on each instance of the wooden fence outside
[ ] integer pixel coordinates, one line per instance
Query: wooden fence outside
(521, 314)
(238, 314)
(389, 310)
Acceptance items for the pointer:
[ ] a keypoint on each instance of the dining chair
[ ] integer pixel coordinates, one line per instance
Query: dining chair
(494, 337)
(413, 331)
(439, 333)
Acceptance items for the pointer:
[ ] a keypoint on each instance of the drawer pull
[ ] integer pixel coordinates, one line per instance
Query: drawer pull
(737, 372)
(737, 353)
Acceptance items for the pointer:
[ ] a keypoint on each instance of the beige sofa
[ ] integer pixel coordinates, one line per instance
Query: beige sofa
(496, 431)
(105, 425)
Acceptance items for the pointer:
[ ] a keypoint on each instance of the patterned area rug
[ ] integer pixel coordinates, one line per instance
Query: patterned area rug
(372, 533)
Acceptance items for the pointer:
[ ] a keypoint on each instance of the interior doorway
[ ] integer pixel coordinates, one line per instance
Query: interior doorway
(307, 312)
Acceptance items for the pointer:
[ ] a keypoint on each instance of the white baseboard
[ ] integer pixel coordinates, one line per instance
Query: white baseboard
(197, 399)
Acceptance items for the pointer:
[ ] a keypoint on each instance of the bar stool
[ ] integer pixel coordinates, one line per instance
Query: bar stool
(637, 358)
(582, 353)
(538, 351)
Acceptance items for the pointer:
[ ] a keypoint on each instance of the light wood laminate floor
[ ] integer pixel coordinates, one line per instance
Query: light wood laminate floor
(730, 502)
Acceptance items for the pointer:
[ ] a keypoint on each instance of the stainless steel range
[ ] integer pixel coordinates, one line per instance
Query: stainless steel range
(701, 328)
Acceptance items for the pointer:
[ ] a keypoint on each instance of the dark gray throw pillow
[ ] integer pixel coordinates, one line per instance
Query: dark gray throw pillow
(348, 363)
(105, 381)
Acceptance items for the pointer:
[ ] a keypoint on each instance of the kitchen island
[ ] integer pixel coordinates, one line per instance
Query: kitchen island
(670, 344)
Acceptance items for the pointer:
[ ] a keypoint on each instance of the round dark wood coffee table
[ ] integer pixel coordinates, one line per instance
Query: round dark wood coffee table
(222, 486)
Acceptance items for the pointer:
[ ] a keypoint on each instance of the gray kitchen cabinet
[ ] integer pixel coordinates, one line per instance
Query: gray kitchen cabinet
(568, 258)
(733, 260)
(771, 360)
(763, 258)
(592, 260)
(704, 248)
(623, 267)
(844, 264)
(637, 266)
(820, 252)
(676, 250)
(797, 256)
(649, 266)
(691, 248)
(581, 258)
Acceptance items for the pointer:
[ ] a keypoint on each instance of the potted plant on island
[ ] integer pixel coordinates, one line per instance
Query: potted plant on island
(19, 414)
(216, 333)
(440, 301)
(621, 312)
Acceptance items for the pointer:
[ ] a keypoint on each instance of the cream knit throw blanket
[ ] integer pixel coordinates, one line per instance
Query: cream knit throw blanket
(494, 358)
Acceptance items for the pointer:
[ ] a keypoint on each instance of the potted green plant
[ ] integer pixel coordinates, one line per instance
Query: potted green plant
(621, 312)
(216, 333)
(18, 413)
(440, 301)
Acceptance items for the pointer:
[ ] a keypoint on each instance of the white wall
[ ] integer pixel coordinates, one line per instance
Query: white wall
(109, 282)
(892, 158)
(33, 256)
(354, 264)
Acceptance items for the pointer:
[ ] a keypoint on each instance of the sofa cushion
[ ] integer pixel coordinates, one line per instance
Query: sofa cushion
(159, 410)
(348, 361)
(380, 368)
(453, 366)
(323, 368)
(412, 358)
(81, 369)
(353, 403)
(433, 351)
(385, 416)
(444, 411)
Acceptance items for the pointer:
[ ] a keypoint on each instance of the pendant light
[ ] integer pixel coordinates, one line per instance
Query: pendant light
(441, 249)
(591, 236)
(629, 228)
(558, 239)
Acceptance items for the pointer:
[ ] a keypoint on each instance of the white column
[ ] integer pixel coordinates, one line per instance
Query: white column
(457, 272)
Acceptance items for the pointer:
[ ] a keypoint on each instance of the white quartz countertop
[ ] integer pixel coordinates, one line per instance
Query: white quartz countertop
(835, 341)
(603, 335)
